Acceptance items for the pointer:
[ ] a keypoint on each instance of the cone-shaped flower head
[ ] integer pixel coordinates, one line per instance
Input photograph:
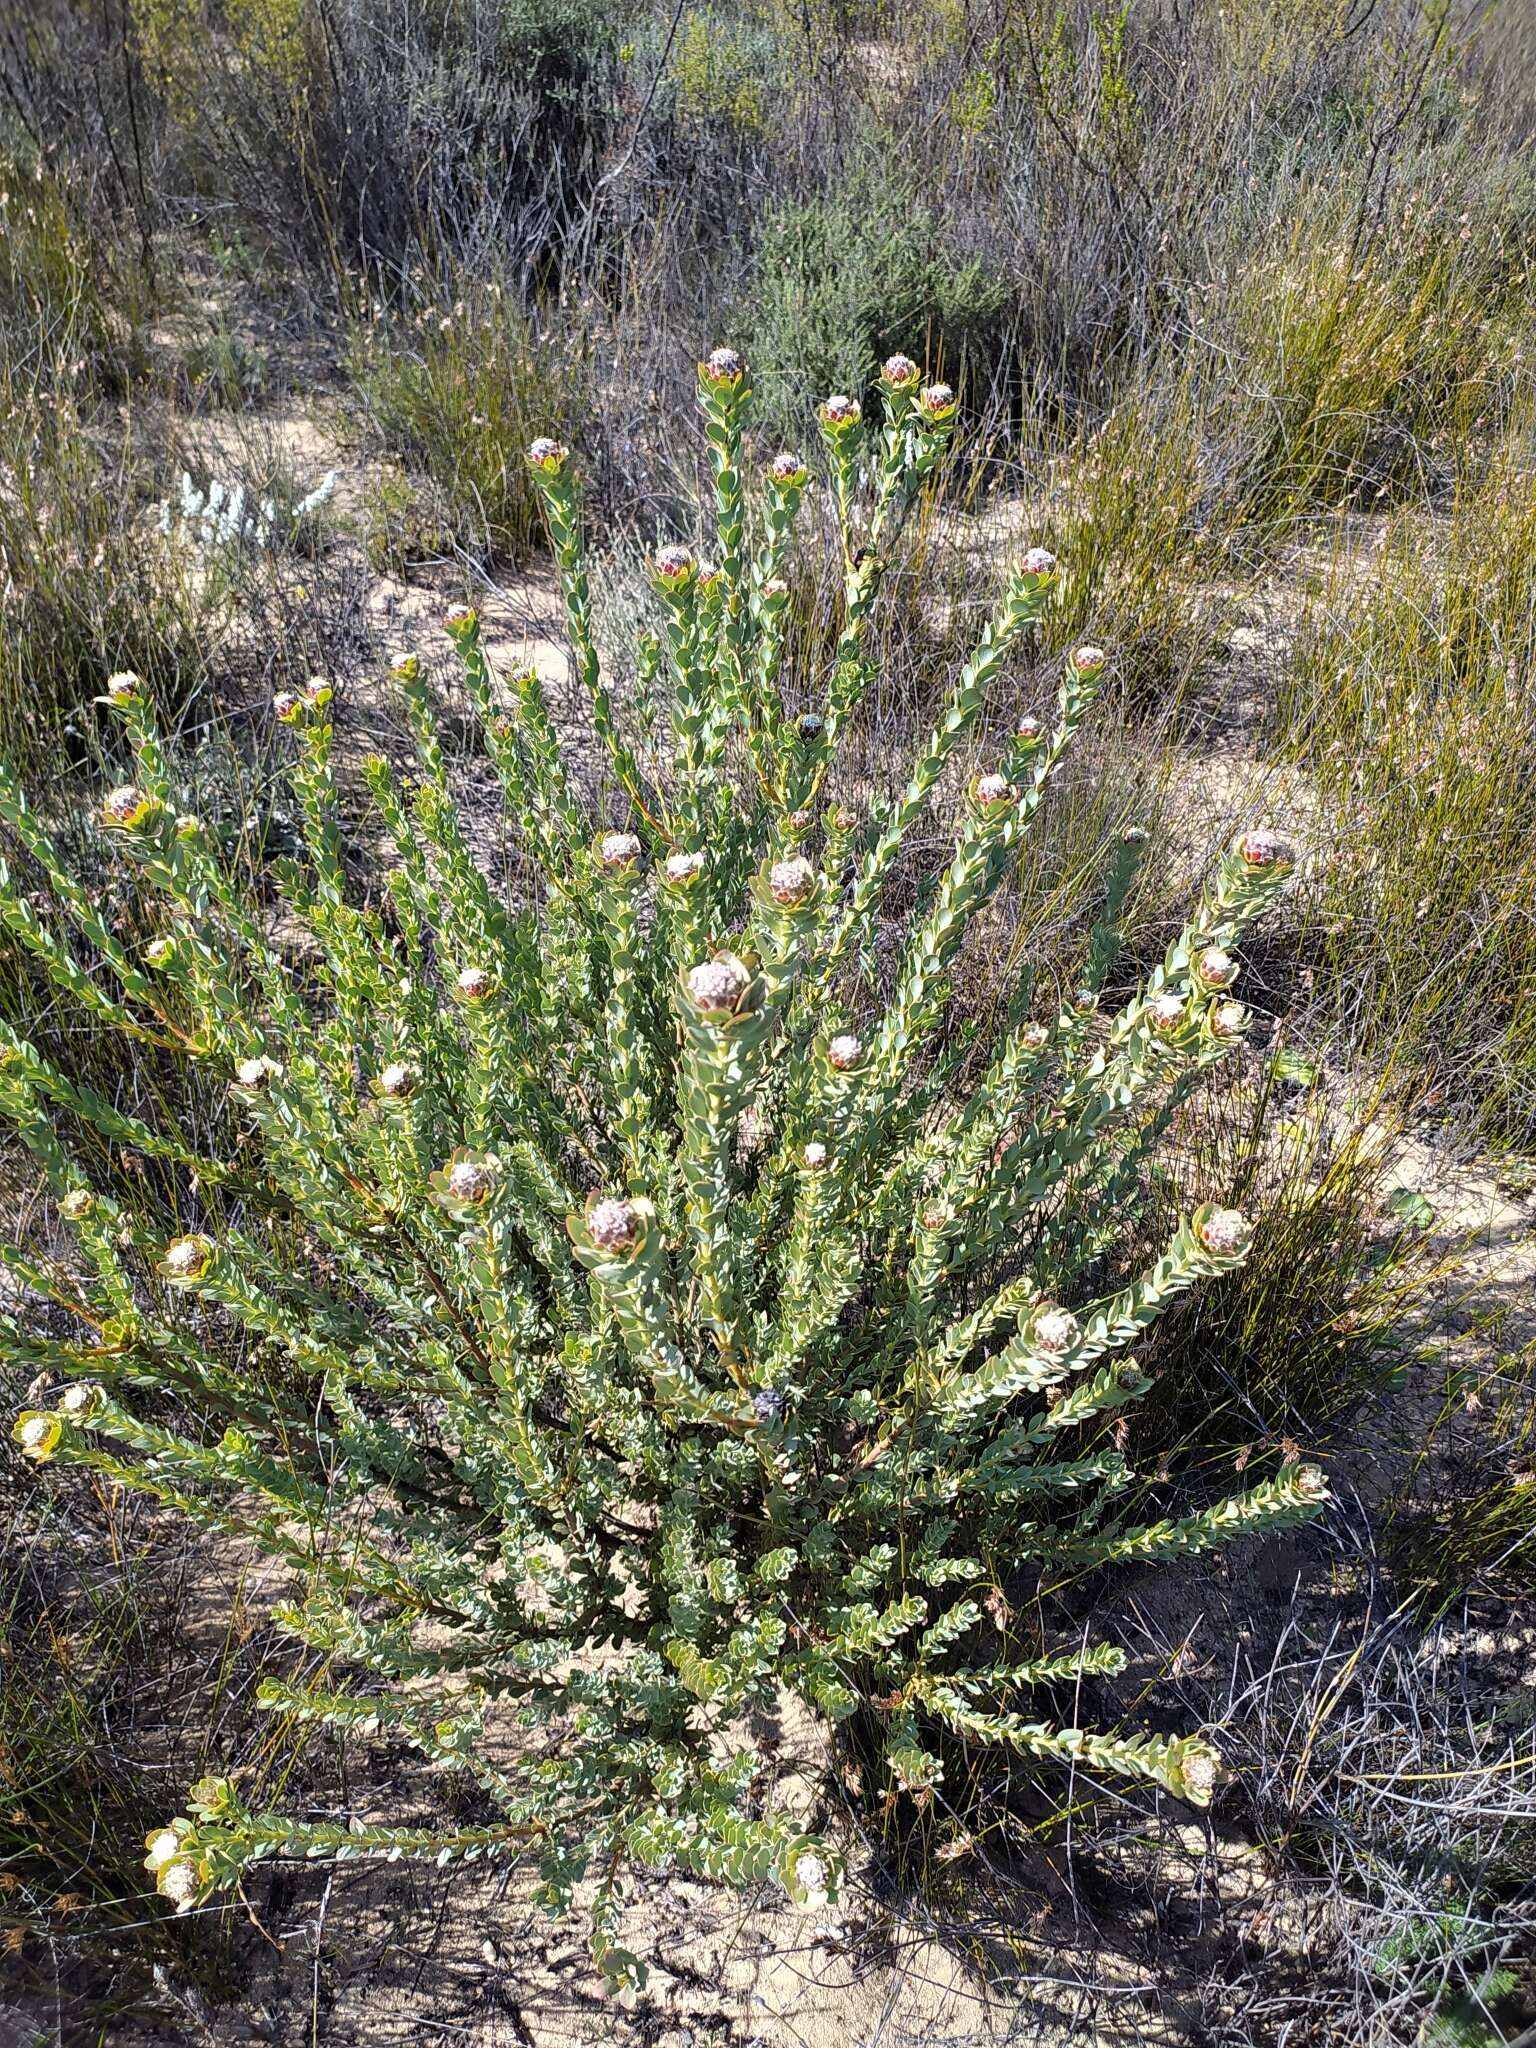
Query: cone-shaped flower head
(844, 819)
(470, 1180)
(318, 693)
(814, 1156)
(1029, 730)
(1265, 849)
(1053, 1330)
(548, 455)
(160, 952)
(473, 984)
(674, 565)
(1088, 660)
(1229, 1020)
(1085, 1001)
(80, 1400)
(1311, 1482)
(187, 1259)
(992, 791)
(1166, 1012)
(398, 1080)
(618, 850)
(791, 882)
(788, 469)
(461, 622)
(125, 687)
(1037, 563)
(937, 401)
(1225, 1232)
(683, 868)
(286, 706)
(717, 985)
(406, 667)
(127, 807)
(900, 372)
(724, 368)
(1216, 967)
(840, 411)
(800, 821)
(614, 1225)
(845, 1051)
(1033, 1035)
(77, 1205)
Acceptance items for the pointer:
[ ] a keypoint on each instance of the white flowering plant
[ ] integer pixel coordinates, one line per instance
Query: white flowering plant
(227, 518)
(620, 1303)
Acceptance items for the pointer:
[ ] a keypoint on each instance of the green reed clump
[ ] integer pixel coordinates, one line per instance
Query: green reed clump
(620, 1311)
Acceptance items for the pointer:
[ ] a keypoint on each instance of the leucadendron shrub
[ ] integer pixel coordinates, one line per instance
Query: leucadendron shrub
(618, 1314)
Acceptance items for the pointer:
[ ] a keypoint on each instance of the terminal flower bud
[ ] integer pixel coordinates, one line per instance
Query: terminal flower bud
(318, 693)
(618, 850)
(162, 1844)
(1226, 1232)
(809, 726)
(80, 1400)
(1053, 1331)
(787, 470)
(1088, 660)
(937, 401)
(1033, 1035)
(845, 820)
(768, 1406)
(473, 984)
(77, 1205)
(992, 791)
(1199, 1773)
(406, 667)
(125, 687)
(845, 1051)
(1311, 1482)
(1216, 968)
(469, 1180)
(286, 706)
(398, 1080)
(813, 1156)
(548, 455)
(1037, 564)
(792, 882)
(900, 372)
(614, 1225)
(682, 868)
(37, 1436)
(160, 952)
(461, 622)
(126, 807)
(674, 566)
(180, 1881)
(717, 985)
(1229, 1020)
(1265, 849)
(1166, 1012)
(1029, 730)
(839, 412)
(187, 1259)
(1085, 1001)
(723, 368)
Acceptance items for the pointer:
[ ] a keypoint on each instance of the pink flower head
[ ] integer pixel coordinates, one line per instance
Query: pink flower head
(674, 565)
(992, 790)
(841, 411)
(800, 821)
(717, 985)
(899, 371)
(1030, 730)
(845, 820)
(1265, 849)
(787, 469)
(1226, 1232)
(125, 687)
(473, 984)
(1166, 1012)
(126, 806)
(1088, 660)
(1229, 1020)
(286, 706)
(723, 366)
(613, 1225)
(618, 849)
(1053, 1331)
(470, 1180)
(937, 401)
(682, 868)
(844, 1051)
(405, 667)
(318, 693)
(1033, 1035)
(790, 882)
(1216, 967)
(548, 455)
(1038, 562)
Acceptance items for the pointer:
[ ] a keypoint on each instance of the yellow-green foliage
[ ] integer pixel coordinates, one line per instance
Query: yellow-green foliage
(717, 71)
